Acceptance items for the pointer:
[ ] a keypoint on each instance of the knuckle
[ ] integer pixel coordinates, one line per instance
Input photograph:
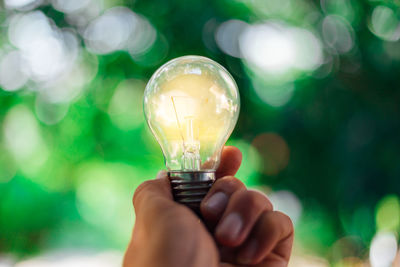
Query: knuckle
(264, 200)
(229, 182)
(280, 222)
(285, 218)
(250, 198)
(139, 191)
(260, 199)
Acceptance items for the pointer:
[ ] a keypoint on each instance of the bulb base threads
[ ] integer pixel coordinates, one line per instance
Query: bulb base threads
(190, 187)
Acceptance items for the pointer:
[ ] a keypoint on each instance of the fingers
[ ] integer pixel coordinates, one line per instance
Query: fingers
(234, 210)
(240, 216)
(247, 229)
(270, 241)
(230, 162)
(215, 202)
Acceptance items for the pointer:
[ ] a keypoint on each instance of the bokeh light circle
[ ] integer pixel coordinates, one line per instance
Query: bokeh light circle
(383, 249)
(12, 73)
(227, 36)
(338, 34)
(276, 48)
(274, 151)
(385, 24)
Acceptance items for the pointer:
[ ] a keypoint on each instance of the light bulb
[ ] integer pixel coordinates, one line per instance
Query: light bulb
(191, 105)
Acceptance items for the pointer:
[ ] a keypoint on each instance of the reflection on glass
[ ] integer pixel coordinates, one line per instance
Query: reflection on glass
(191, 104)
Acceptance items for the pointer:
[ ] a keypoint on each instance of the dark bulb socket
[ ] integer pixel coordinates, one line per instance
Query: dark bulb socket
(190, 187)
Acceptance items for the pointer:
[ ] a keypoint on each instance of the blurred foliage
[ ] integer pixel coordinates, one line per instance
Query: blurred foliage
(319, 84)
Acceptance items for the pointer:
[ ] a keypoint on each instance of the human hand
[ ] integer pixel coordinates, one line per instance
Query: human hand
(243, 228)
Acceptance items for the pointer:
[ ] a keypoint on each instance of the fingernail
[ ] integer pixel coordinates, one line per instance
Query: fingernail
(246, 256)
(161, 174)
(216, 203)
(229, 229)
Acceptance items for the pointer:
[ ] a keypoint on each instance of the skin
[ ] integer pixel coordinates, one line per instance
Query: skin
(239, 227)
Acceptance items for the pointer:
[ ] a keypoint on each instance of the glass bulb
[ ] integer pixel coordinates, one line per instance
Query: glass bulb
(191, 105)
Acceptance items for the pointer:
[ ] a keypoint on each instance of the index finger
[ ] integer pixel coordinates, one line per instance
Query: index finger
(230, 162)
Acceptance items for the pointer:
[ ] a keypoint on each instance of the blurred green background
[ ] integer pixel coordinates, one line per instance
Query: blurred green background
(319, 124)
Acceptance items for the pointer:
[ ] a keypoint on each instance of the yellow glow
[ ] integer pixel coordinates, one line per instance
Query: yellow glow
(191, 104)
(183, 101)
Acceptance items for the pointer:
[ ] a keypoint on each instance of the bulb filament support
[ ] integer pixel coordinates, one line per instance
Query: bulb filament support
(190, 187)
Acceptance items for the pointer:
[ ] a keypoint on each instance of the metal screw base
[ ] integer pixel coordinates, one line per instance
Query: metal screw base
(190, 187)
